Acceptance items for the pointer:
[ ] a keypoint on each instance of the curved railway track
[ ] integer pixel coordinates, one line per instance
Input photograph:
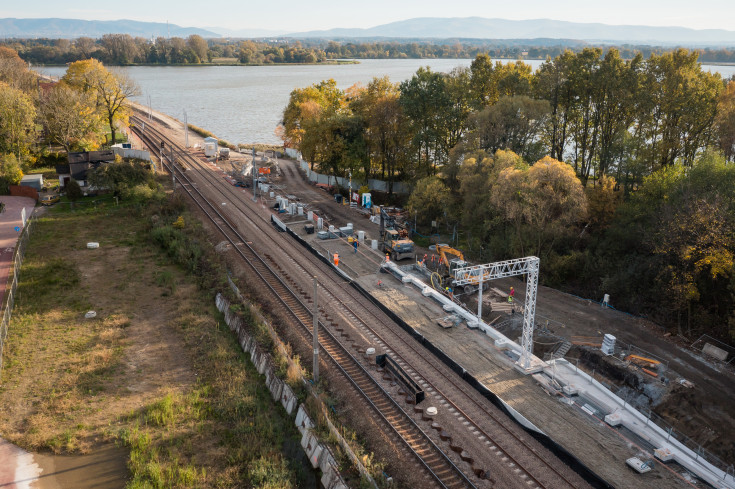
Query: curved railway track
(504, 442)
(445, 473)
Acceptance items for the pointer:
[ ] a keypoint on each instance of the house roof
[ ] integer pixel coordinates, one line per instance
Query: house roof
(79, 170)
(63, 169)
(92, 156)
(36, 177)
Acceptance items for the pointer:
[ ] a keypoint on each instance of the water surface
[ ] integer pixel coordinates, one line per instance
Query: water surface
(244, 104)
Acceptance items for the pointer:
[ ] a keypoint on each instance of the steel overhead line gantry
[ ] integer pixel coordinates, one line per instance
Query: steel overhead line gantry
(528, 266)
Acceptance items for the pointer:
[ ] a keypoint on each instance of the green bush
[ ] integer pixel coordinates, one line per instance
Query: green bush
(73, 190)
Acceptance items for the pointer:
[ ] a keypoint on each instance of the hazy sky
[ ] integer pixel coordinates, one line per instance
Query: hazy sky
(303, 15)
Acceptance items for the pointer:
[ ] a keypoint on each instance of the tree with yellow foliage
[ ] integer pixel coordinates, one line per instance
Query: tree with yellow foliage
(17, 115)
(70, 117)
(111, 90)
(543, 202)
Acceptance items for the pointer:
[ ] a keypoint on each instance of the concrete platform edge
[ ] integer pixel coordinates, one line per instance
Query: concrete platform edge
(577, 465)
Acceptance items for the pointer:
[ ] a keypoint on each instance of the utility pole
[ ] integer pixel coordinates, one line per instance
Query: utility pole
(255, 179)
(186, 131)
(315, 367)
(479, 298)
(173, 170)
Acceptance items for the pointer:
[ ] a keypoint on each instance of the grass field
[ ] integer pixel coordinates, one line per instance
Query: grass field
(156, 370)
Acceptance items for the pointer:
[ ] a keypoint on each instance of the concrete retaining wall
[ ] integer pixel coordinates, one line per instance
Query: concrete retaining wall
(319, 453)
(372, 183)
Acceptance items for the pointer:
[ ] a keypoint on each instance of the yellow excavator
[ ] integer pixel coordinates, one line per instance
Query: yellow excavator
(444, 276)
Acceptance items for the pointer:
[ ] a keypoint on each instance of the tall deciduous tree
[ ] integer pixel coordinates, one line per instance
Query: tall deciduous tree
(306, 108)
(69, 116)
(677, 108)
(552, 83)
(725, 121)
(513, 123)
(17, 116)
(386, 132)
(112, 90)
(14, 71)
(548, 198)
(199, 47)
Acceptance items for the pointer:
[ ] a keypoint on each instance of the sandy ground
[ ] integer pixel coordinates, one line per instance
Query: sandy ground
(124, 292)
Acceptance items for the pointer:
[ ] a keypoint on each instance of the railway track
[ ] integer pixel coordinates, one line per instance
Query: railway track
(490, 426)
(431, 458)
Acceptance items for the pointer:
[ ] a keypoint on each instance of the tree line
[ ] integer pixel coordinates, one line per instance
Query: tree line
(617, 173)
(123, 49)
(74, 114)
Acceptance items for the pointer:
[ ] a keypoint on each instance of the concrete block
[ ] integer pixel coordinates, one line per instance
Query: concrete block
(713, 351)
(570, 390)
(303, 421)
(613, 419)
(276, 388)
(663, 454)
(263, 362)
(326, 461)
(311, 447)
(244, 339)
(332, 480)
(288, 399)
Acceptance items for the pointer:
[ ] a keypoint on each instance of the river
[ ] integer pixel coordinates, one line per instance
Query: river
(244, 104)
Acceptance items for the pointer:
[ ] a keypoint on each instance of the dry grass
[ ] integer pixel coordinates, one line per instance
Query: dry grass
(155, 370)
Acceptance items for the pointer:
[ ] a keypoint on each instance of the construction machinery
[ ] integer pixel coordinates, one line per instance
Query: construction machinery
(444, 276)
(394, 242)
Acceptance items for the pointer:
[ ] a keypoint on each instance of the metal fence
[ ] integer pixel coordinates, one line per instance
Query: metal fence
(694, 446)
(707, 339)
(12, 286)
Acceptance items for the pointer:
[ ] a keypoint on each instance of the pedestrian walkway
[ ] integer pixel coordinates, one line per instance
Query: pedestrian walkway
(11, 226)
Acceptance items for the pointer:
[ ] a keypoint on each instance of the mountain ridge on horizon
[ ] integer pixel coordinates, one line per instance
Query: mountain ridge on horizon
(478, 28)
(415, 28)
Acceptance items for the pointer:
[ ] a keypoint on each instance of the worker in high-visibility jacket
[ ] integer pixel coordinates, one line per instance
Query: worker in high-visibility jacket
(336, 259)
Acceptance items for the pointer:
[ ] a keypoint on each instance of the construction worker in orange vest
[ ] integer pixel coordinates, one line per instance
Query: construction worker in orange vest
(336, 259)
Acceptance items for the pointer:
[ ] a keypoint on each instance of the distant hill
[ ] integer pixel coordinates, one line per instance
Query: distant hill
(73, 28)
(482, 28)
(246, 33)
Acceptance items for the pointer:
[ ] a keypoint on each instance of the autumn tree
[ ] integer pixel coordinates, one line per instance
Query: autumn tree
(513, 123)
(430, 200)
(603, 199)
(302, 117)
(69, 117)
(725, 122)
(199, 47)
(386, 136)
(10, 172)
(546, 200)
(111, 90)
(14, 71)
(17, 117)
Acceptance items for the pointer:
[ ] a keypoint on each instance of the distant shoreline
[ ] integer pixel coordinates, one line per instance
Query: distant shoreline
(332, 62)
(189, 65)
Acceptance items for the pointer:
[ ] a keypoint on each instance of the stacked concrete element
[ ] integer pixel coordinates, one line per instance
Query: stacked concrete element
(320, 456)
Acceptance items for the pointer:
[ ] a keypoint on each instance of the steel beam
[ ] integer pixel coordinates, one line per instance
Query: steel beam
(528, 266)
